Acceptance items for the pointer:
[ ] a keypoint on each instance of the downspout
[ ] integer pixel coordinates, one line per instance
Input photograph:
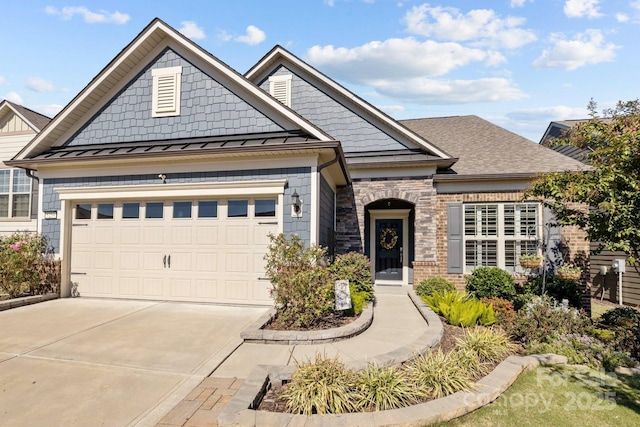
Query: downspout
(30, 174)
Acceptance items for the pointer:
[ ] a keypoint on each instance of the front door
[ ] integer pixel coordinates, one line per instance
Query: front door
(389, 246)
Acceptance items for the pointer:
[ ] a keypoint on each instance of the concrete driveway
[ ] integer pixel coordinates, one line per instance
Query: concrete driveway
(81, 362)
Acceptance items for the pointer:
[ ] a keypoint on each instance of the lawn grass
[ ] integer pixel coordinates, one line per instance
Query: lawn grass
(598, 308)
(562, 396)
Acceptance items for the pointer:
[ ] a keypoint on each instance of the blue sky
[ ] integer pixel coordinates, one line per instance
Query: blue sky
(517, 63)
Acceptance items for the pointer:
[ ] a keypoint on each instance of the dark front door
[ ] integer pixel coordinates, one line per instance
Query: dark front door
(388, 249)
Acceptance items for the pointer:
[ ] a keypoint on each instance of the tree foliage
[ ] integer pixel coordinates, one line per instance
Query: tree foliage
(610, 187)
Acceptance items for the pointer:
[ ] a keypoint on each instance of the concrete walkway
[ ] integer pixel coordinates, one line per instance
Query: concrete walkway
(396, 324)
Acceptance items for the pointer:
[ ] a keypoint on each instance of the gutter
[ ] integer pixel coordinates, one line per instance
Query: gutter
(339, 157)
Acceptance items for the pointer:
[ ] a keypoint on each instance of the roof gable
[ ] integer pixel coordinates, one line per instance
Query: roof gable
(373, 121)
(156, 38)
(23, 119)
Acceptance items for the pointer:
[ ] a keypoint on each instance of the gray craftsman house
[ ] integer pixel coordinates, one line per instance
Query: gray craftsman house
(164, 176)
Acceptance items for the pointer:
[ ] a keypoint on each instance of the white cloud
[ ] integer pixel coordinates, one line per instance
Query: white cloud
(13, 97)
(49, 110)
(192, 30)
(582, 8)
(391, 109)
(548, 114)
(223, 36)
(430, 91)
(381, 60)
(622, 17)
(38, 84)
(100, 17)
(517, 3)
(253, 36)
(586, 48)
(482, 27)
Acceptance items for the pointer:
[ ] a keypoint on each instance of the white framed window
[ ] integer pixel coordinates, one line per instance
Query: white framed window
(280, 88)
(15, 193)
(496, 234)
(166, 91)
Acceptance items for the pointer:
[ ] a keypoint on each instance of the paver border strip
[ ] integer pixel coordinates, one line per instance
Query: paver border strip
(21, 302)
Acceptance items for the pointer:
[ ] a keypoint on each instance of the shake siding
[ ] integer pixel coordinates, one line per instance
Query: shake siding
(354, 133)
(206, 109)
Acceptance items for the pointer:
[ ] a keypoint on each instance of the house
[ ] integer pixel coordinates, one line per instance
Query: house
(18, 197)
(605, 282)
(163, 177)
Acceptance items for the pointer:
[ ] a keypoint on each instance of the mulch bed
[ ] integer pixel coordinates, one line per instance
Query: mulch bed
(335, 320)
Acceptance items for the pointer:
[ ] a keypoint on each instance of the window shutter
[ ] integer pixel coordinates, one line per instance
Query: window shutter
(280, 88)
(454, 239)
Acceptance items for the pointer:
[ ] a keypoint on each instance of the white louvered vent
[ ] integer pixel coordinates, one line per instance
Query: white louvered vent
(166, 91)
(280, 88)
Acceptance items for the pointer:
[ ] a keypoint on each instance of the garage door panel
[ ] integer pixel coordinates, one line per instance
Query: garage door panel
(81, 234)
(103, 235)
(237, 235)
(260, 291)
(207, 235)
(152, 286)
(207, 289)
(207, 262)
(261, 234)
(180, 261)
(104, 260)
(181, 235)
(130, 235)
(237, 290)
(152, 261)
(258, 264)
(129, 286)
(153, 235)
(129, 260)
(82, 260)
(236, 262)
(180, 288)
(103, 285)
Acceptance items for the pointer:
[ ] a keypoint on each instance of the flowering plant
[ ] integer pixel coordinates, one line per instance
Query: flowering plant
(20, 254)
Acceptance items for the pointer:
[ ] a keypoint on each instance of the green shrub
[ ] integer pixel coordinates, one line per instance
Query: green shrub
(359, 301)
(303, 290)
(434, 284)
(385, 387)
(490, 282)
(558, 288)
(459, 310)
(439, 374)
(20, 257)
(542, 319)
(324, 386)
(356, 268)
(624, 322)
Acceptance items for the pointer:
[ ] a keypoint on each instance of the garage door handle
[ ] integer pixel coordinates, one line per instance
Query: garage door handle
(164, 261)
(169, 261)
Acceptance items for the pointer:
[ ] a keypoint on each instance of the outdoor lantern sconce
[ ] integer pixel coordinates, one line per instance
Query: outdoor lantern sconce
(296, 205)
(163, 178)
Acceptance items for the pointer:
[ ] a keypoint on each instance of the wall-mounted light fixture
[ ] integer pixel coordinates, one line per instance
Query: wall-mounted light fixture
(163, 178)
(296, 205)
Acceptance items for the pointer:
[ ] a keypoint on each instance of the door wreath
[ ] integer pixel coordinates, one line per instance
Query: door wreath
(388, 238)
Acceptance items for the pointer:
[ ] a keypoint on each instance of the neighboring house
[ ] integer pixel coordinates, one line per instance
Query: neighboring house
(164, 176)
(18, 194)
(603, 285)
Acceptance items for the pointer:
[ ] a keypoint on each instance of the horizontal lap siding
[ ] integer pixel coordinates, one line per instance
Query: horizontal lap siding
(630, 279)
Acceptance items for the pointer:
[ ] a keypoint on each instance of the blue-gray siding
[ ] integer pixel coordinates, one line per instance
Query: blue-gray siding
(354, 132)
(327, 214)
(206, 109)
(297, 178)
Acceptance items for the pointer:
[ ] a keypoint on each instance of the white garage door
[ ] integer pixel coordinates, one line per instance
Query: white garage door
(180, 250)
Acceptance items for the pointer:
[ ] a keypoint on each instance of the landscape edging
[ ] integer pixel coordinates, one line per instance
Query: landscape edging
(20, 302)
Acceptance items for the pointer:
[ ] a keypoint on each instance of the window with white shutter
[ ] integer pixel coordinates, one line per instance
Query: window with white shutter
(280, 88)
(166, 91)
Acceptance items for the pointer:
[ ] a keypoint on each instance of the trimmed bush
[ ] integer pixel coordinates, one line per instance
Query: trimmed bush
(21, 263)
(356, 268)
(491, 282)
(503, 309)
(434, 284)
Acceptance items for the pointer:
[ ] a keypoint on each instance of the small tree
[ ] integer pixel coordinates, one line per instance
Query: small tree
(610, 188)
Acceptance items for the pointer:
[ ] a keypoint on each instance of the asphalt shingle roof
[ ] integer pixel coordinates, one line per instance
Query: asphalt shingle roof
(484, 148)
(36, 119)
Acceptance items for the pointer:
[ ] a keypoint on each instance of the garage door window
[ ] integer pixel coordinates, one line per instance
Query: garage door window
(265, 208)
(83, 211)
(131, 210)
(105, 211)
(182, 209)
(207, 209)
(154, 210)
(238, 209)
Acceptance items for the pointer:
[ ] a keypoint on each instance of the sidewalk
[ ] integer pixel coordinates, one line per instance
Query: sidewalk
(396, 324)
